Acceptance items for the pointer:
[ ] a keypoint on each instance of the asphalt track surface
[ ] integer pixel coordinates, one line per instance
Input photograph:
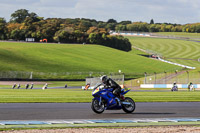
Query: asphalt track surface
(52, 111)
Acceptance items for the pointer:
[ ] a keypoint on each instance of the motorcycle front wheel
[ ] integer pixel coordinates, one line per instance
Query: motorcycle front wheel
(129, 108)
(97, 107)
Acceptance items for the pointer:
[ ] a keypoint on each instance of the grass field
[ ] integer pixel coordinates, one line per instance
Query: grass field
(34, 57)
(180, 34)
(170, 49)
(77, 95)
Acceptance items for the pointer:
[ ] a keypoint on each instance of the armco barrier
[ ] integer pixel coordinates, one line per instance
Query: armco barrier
(189, 67)
(167, 85)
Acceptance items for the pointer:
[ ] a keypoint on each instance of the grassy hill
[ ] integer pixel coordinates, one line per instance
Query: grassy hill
(58, 58)
(195, 36)
(180, 51)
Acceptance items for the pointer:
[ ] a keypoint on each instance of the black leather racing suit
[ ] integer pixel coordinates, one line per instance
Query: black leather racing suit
(109, 83)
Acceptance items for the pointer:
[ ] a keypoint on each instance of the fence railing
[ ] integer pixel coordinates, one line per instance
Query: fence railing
(183, 77)
(54, 75)
(134, 79)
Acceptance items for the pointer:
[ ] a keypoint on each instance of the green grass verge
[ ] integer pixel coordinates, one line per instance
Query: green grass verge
(97, 125)
(50, 84)
(77, 95)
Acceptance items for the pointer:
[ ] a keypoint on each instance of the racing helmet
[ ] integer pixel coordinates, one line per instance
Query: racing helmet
(104, 78)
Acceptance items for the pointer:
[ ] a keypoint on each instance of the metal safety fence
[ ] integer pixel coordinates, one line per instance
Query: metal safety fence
(12, 75)
(132, 79)
(182, 77)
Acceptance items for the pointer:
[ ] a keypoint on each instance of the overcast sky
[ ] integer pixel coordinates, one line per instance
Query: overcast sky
(171, 11)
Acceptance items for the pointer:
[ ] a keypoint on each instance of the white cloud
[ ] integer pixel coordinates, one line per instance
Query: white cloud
(173, 11)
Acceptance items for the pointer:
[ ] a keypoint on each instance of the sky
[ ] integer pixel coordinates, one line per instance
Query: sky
(170, 11)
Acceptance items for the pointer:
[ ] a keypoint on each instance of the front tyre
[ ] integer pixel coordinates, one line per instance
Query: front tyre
(96, 107)
(129, 108)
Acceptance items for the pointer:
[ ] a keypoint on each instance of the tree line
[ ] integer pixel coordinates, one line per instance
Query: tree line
(24, 24)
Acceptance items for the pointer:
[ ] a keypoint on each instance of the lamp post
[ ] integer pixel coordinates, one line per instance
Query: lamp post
(199, 74)
(187, 76)
(155, 77)
(176, 76)
(145, 79)
(90, 75)
(165, 76)
(31, 76)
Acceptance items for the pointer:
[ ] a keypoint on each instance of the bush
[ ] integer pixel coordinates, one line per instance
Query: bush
(117, 42)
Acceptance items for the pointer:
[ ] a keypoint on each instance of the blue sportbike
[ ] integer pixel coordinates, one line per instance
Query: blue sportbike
(105, 100)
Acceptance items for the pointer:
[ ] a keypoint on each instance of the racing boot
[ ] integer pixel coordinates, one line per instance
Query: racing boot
(122, 97)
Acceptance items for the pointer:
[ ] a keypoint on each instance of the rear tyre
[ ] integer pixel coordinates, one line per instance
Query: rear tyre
(129, 108)
(96, 107)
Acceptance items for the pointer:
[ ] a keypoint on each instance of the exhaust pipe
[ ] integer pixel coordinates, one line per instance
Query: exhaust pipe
(126, 103)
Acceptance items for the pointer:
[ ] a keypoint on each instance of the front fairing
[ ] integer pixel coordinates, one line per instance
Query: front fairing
(99, 92)
(97, 89)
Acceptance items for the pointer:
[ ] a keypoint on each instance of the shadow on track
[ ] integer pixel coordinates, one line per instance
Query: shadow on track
(144, 113)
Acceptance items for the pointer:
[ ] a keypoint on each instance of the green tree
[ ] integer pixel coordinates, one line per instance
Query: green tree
(158, 27)
(143, 27)
(48, 28)
(125, 22)
(101, 25)
(163, 28)
(193, 28)
(197, 28)
(62, 36)
(111, 21)
(110, 26)
(151, 22)
(138, 26)
(132, 27)
(35, 17)
(19, 16)
(3, 29)
(93, 38)
(120, 27)
(84, 25)
(18, 34)
(168, 28)
(153, 28)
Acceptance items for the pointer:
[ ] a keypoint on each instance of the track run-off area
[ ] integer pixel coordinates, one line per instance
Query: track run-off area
(170, 49)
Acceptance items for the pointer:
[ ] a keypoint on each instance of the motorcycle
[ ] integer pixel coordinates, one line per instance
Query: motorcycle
(174, 88)
(191, 87)
(105, 100)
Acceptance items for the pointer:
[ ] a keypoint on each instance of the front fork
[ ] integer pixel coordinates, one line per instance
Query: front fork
(100, 100)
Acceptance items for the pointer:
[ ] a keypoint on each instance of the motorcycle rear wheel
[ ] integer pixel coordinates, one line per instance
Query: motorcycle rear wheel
(96, 107)
(129, 108)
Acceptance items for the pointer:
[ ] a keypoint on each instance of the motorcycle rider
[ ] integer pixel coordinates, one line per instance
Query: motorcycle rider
(190, 86)
(109, 83)
(175, 87)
